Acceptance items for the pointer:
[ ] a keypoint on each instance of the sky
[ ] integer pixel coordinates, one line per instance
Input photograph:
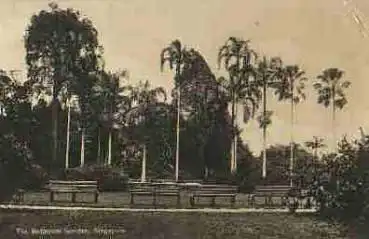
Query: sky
(314, 34)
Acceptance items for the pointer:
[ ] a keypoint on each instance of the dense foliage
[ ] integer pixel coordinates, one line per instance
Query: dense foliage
(343, 189)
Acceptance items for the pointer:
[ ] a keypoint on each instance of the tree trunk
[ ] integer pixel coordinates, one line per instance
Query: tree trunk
(264, 128)
(68, 135)
(292, 141)
(234, 168)
(177, 131)
(234, 110)
(233, 116)
(334, 143)
(109, 147)
(82, 162)
(98, 160)
(315, 160)
(54, 113)
(143, 165)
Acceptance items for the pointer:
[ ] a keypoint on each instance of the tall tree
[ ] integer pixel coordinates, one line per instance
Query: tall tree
(291, 88)
(111, 103)
(202, 102)
(177, 57)
(58, 43)
(331, 92)
(238, 60)
(269, 73)
(146, 102)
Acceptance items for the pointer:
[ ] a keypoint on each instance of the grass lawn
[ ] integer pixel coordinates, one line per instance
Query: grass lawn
(134, 225)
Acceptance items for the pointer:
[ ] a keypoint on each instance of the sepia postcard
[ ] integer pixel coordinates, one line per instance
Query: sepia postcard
(229, 119)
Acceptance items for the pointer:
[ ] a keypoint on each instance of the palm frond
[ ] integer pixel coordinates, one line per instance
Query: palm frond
(165, 56)
(232, 40)
(177, 45)
(340, 103)
(222, 54)
(265, 119)
(317, 85)
(345, 84)
(249, 105)
(323, 78)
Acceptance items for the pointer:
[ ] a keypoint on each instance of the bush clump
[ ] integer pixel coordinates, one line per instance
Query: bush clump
(108, 178)
(344, 192)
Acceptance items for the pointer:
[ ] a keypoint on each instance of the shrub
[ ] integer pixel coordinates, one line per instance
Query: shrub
(14, 163)
(344, 194)
(36, 177)
(108, 178)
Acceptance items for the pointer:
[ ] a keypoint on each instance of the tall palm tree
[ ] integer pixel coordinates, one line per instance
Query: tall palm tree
(248, 96)
(145, 100)
(331, 92)
(69, 101)
(83, 88)
(112, 103)
(269, 73)
(238, 59)
(291, 88)
(176, 56)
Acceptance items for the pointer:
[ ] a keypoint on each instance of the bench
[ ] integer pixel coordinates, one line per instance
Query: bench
(268, 192)
(73, 187)
(214, 191)
(155, 190)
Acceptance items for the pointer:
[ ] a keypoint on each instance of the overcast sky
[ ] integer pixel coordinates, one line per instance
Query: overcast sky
(315, 34)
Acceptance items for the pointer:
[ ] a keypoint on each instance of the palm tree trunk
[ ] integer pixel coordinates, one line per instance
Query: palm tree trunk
(234, 168)
(264, 128)
(82, 161)
(334, 143)
(143, 170)
(68, 135)
(177, 131)
(315, 160)
(109, 147)
(292, 142)
(233, 116)
(54, 116)
(234, 165)
(98, 146)
(235, 154)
